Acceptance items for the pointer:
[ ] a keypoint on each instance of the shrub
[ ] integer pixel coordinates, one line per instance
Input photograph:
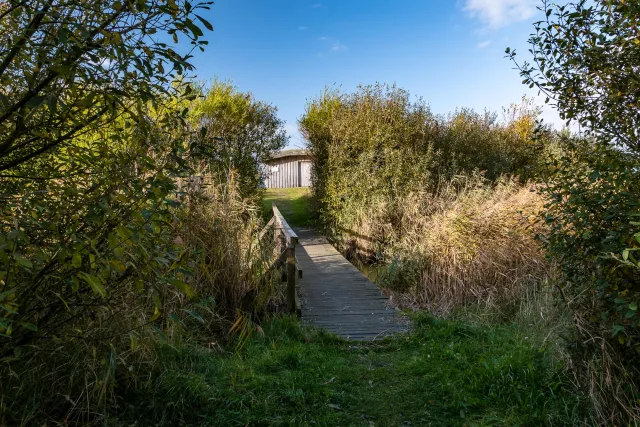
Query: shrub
(473, 242)
(376, 138)
(592, 192)
(392, 148)
(107, 350)
(94, 140)
(585, 60)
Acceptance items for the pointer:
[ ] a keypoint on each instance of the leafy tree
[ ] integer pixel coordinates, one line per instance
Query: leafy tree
(92, 138)
(585, 59)
(586, 56)
(72, 65)
(394, 146)
(238, 132)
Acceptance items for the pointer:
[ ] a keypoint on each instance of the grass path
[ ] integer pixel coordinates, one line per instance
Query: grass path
(445, 373)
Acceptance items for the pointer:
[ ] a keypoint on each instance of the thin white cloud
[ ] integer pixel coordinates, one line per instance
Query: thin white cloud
(323, 38)
(316, 5)
(500, 13)
(337, 46)
(303, 28)
(484, 44)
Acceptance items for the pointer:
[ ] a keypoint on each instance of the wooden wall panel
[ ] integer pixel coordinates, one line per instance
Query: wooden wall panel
(293, 171)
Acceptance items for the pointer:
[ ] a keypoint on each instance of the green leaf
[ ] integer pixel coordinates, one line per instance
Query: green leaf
(158, 307)
(633, 306)
(36, 100)
(94, 282)
(134, 340)
(183, 286)
(8, 309)
(76, 260)
(5, 294)
(28, 325)
(206, 23)
(22, 260)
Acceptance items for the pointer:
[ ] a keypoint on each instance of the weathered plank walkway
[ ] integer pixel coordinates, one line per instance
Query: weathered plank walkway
(335, 296)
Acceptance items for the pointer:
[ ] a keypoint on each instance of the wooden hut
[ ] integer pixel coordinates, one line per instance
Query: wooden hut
(287, 169)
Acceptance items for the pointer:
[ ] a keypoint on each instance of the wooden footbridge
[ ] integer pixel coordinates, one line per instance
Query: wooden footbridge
(326, 290)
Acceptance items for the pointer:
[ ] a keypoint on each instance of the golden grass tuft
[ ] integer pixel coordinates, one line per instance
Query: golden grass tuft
(469, 241)
(474, 242)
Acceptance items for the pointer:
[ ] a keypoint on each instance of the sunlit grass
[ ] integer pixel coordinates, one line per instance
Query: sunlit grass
(294, 203)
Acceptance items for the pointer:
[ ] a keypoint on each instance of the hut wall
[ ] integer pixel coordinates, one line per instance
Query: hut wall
(288, 172)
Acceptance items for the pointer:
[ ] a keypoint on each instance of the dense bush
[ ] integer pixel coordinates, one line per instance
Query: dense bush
(366, 146)
(101, 255)
(373, 149)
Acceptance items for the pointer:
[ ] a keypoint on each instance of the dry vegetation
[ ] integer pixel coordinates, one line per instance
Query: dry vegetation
(219, 231)
(472, 242)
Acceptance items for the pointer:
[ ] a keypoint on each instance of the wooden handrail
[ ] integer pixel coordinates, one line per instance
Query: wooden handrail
(290, 235)
(288, 256)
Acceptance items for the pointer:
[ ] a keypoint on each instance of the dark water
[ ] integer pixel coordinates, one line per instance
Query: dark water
(374, 272)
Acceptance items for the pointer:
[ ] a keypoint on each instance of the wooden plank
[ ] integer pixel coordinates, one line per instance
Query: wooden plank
(359, 326)
(339, 298)
(322, 315)
(358, 332)
(298, 306)
(298, 269)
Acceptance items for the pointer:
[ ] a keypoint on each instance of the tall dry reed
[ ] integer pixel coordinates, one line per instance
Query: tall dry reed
(473, 242)
(468, 241)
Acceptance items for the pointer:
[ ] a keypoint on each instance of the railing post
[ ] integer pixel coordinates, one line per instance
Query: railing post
(289, 241)
(291, 277)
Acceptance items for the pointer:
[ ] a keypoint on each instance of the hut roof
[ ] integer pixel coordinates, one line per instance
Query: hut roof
(290, 153)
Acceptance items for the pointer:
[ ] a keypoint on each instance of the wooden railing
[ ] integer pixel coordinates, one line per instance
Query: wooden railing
(285, 240)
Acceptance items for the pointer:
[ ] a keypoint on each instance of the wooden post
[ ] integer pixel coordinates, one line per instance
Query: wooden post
(276, 236)
(289, 241)
(291, 277)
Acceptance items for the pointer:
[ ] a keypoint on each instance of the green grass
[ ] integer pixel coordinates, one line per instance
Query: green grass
(294, 203)
(446, 373)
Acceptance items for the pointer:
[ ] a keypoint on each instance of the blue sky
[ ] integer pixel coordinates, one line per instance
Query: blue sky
(451, 53)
